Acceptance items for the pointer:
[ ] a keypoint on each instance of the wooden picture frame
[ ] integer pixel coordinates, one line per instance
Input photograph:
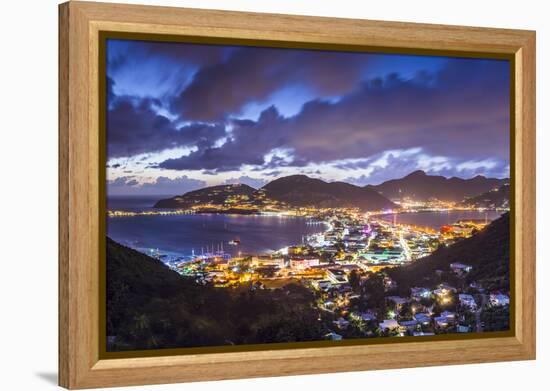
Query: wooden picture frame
(80, 150)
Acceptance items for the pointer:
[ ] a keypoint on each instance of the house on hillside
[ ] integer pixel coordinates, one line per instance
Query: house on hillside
(389, 324)
(444, 290)
(460, 269)
(423, 319)
(333, 336)
(341, 323)
(499, 299)
(337, 276)
(467, 301)
(419, 293)
(409, 324)
(445, 319)
(397, 301)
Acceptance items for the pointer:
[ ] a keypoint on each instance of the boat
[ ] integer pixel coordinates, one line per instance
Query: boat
(235, 242)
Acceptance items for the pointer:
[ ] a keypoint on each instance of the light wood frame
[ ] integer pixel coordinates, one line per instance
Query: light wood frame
(80, 365)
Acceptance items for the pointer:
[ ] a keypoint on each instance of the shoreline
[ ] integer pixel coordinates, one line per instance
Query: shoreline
(386, 217)
(171, 254)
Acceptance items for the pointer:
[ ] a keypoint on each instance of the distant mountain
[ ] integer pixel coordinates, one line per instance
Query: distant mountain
(294, 190)
(497, 198)
(420, 186)
(215, 195)
(487, 251)
(301, 190)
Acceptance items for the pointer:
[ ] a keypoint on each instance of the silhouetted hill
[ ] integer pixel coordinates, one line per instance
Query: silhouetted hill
(215, 195)
(497, 198)
(488, 251)
(422, 187)
(294, 190)
(301, 190)
(150, 306)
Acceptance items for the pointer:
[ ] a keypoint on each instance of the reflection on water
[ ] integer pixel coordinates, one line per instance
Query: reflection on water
(181, 235)
(436, 220)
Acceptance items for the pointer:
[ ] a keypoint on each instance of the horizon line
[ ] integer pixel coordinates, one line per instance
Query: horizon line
(304, 175)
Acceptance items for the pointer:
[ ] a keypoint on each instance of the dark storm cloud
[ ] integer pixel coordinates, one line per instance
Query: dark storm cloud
(215, 159)
(157, 69)
(253, 74)
(127, 53)
(110, 92)
(134, 127)
(249, 142)
(462, 111)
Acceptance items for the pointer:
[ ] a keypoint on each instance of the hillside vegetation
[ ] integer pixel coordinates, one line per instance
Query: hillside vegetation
(150, 306)
(488, 251)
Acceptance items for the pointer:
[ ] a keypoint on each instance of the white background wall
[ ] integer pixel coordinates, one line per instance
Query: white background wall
(28, 193)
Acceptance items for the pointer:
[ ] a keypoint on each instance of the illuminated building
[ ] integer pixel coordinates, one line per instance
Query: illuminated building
(499, 299)
(389, 324)
(460, 268)
(303, 263)
(267, 260)
(467, 301)
(337, 276)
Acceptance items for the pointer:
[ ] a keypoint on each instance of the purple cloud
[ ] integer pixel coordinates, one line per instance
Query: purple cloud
(462, 111)
(253, 74)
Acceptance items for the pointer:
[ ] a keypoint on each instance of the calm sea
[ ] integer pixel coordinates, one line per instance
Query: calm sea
(437, 219)
(183, 234)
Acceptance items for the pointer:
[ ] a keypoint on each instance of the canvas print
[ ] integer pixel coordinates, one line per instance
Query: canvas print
(259, 195)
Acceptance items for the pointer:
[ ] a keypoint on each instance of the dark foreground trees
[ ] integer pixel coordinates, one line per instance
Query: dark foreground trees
(151, 307)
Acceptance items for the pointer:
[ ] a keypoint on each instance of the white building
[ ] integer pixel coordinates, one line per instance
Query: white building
(303, 263)
(409, 324)
(460, 268)
(467, 301)
(423, 319)
(341, 323)
(499, 299)
(337, 276)
(322, 285)
(442, 321)
(419, 293)
(333, 336)
(389, 324)
(367, 316)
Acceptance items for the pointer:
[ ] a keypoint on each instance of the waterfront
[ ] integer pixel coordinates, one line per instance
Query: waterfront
(436, 219)
(271, 219)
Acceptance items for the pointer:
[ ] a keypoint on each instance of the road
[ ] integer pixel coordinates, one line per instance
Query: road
(405, 246)
(479, 327)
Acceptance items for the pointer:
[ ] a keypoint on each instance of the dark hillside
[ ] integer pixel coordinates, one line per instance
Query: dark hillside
(150, 307)
(215, 195)
(422, 187)
(496, 198)
(301, 190)
(488, 252)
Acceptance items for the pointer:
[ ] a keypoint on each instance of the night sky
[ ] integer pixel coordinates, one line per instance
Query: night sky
(184, 116)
